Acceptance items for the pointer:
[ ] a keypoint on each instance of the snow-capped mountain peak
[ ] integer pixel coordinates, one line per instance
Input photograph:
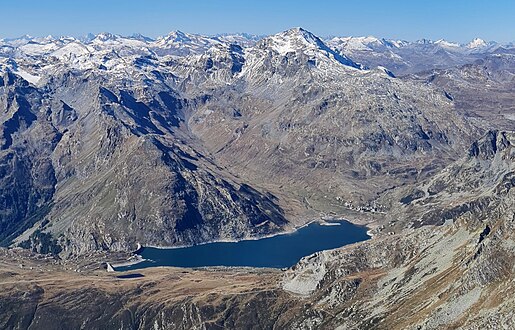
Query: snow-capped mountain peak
(358, 43)
(180, 43)
(301, 41)
(424, 41)
(17, 42)
(298, 32)
(140, 37)
(292, 40)
(24, 37)
(105, 36)
(86, 38)
(176, 36)
(242, 39)
(447, 44)
(477, 43)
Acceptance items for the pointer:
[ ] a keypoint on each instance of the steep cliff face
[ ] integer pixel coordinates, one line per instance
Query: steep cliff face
(89, 165)
(27, 177)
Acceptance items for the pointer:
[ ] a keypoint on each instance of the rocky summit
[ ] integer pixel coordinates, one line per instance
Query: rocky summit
(109, 143)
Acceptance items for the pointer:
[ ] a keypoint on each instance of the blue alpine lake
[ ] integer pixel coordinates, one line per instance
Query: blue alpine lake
(278, 251)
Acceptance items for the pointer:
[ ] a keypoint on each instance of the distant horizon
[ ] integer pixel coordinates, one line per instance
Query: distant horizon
(324, 37)
(458, 20)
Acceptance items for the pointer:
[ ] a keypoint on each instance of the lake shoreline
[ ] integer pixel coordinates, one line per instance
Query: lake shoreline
(323, 222)
(326, 222)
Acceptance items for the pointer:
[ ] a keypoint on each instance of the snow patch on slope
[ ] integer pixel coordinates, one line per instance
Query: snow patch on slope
(33, 79)
(292, 40)
(447, 44)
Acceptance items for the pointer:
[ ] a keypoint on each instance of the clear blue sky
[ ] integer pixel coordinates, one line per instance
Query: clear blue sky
(455, 20)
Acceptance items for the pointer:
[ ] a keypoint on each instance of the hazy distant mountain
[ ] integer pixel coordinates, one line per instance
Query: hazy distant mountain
(402, 57)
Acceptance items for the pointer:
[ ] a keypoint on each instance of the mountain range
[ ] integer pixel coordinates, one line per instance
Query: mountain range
(108, 143)
(192, 103)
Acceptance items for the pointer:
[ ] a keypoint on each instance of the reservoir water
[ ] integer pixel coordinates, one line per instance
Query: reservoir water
(276, 252)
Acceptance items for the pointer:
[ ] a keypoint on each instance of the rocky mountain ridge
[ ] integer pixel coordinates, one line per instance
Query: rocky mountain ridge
(199, 124)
